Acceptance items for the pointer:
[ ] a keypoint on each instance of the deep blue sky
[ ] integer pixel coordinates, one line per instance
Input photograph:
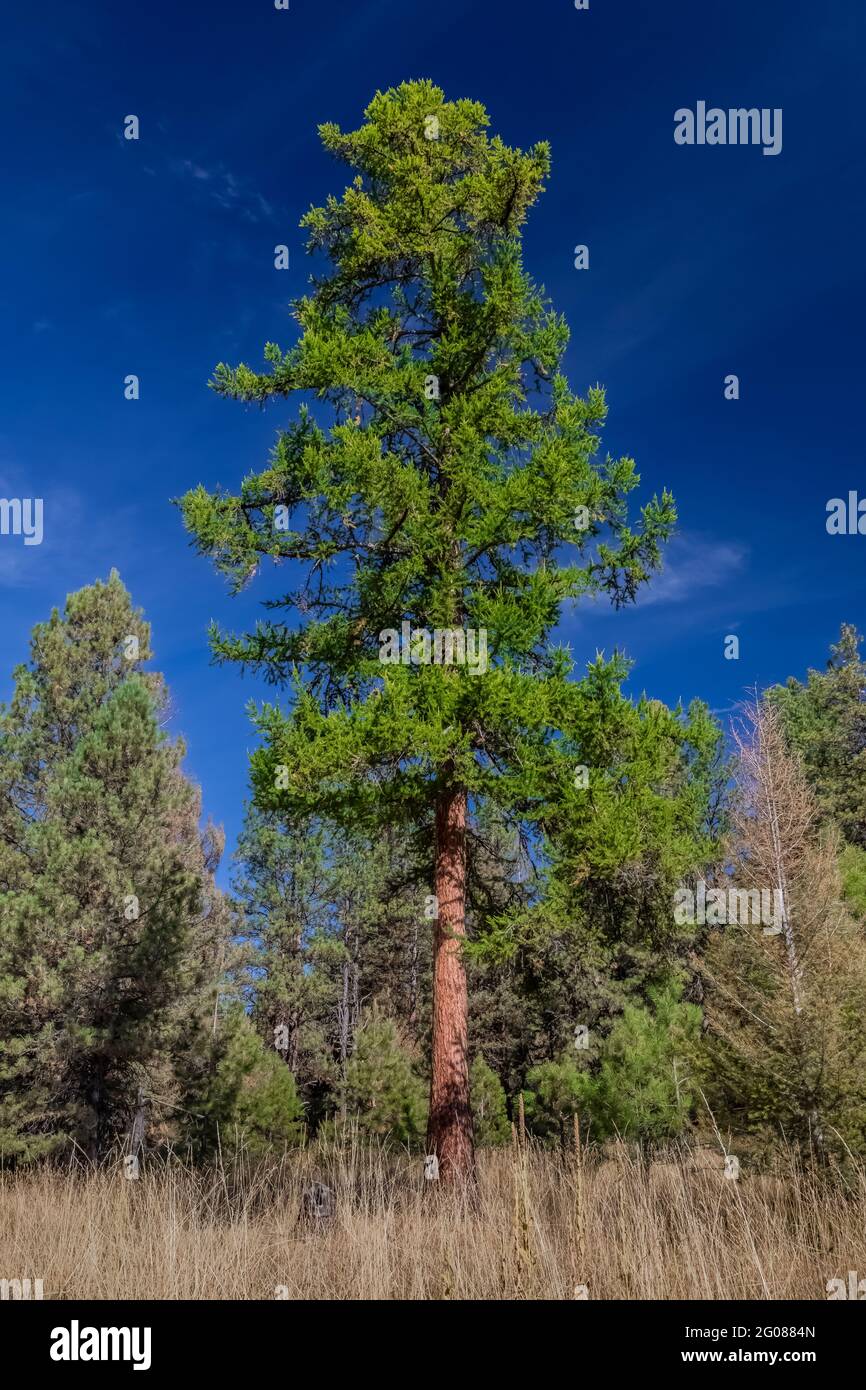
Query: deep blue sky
(156, 257)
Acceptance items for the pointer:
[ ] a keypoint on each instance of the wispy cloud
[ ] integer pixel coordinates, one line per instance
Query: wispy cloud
(694, 562)
(25, 566)
(77, 538)
(225, 188)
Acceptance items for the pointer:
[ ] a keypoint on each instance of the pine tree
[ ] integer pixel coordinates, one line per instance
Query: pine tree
(555, 1093)
(282, 886)
(824, 721)
(243, 1099)
(645, 1087)
(382, 1091)
(332, 923)
(593, 931)
(638, 1082)
(489, 1111)
(110, 925)
(458, 491)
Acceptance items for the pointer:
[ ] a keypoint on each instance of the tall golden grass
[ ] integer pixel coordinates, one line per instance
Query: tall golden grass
(541, 1226)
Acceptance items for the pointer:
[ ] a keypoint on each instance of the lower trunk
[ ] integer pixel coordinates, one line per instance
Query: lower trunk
(343, 1016)
(449, 1128)
(413, 986)
(97, 1139)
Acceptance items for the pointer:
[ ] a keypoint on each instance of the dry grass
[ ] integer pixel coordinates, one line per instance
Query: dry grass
(540, 1226)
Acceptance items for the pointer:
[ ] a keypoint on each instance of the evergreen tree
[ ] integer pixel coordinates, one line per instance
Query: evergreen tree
(110, 925)
(637, 1082)
(282, 886)
(645, 1087)
(382, 1091)
(555, 1094)
(824, 721)
(244, 1098)
(333, 926)
(599, 932)
(489, 1111)
(852, 867)
(458, 490)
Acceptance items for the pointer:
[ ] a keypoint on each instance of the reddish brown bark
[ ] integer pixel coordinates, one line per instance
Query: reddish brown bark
(449, 1128)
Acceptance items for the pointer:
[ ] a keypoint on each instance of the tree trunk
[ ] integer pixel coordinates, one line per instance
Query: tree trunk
(138, 1128)
(413, 986)
(449, 1128)
(97, 1139)
(343, 1016)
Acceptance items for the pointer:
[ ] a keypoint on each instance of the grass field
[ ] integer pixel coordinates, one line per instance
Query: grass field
(541, 1226)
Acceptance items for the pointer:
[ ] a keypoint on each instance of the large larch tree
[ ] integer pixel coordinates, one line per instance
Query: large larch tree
(457, 485)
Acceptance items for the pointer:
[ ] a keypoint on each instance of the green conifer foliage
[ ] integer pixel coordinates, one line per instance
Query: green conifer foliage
(382, 1091)
(457, 486)
(824, 720)
(110, 925)
(489, 1111)
(245, 1100)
